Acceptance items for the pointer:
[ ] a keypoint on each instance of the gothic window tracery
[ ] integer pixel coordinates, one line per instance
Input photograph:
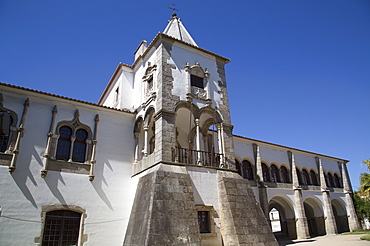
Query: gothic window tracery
(73, 140)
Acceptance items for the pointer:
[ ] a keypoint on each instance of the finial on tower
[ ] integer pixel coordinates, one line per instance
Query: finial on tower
(174, 14)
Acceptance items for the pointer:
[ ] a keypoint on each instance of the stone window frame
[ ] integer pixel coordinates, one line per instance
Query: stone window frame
(195, 91)
(149, 80)
(49, 208)
(212, 216)
(50, 163)
(9, 157)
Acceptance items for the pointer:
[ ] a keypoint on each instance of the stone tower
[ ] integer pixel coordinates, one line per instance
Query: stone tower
(187, 188)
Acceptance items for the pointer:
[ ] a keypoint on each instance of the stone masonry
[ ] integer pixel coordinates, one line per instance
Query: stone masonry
(242, 220)
(163, 212)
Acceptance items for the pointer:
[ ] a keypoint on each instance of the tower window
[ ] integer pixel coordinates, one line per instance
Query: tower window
(197, 81)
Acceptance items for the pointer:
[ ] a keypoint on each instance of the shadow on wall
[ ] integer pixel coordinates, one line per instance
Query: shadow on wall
(99, 180)
(23, 172)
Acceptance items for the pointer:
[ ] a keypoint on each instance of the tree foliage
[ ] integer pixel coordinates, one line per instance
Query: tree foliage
(365, 180)
(362, 206)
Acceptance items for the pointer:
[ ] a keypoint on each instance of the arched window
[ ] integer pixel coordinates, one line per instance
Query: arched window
(265, 173)
(313, 178)
(336, 181)
(247, 170)
(238, 167)
(79, 147)
(284, 175)
(62, 227)
(299, 175)
(64, 143)
(305, 177)
(275, 177)
(330, 180)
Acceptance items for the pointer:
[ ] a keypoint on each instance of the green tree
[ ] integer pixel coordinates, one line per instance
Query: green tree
(365, 180)
(362, 206)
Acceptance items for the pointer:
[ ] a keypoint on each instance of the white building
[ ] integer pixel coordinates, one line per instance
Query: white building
(155, 162)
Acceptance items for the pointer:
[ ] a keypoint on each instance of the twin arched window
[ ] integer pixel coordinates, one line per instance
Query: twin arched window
(71, 145)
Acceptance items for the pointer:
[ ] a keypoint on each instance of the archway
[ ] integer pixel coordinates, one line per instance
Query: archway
(285, 223)
(315, 216)
(340, 215)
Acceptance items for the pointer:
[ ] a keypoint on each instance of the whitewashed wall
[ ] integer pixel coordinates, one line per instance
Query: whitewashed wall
(106, 199)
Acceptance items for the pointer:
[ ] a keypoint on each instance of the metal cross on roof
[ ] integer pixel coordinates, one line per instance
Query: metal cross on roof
(173, 8)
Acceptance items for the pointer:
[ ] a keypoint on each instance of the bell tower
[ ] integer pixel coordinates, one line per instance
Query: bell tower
(184, 163)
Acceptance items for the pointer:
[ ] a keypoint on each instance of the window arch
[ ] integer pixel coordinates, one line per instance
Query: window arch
(314, 178)
(265, 173)
(247, 170)
(275, 177)
(62, 227)
(337, 183)
(305, 177)
(284, 174)
(64, 143)
(299, 176)
(330, 180)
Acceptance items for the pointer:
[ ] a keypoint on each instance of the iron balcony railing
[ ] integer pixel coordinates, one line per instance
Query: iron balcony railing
(195, 157)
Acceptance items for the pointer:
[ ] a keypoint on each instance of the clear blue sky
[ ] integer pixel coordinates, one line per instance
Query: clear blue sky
(299, 76)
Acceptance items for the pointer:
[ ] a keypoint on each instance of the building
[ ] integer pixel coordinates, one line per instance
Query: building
(155, 162)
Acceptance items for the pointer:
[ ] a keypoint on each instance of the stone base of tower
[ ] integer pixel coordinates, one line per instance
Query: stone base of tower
(163, 212)
(242, 219)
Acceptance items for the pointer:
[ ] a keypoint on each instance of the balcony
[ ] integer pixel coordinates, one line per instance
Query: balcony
(195, 157)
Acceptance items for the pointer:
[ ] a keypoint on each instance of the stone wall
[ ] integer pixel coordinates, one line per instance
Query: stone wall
(163, 212)
(242, 220)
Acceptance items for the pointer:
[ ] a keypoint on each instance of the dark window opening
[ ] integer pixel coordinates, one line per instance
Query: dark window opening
(64, 143)
(265, 173)
(247, 170)
(150, 84)
(203, 220)
(6, 120)
(275, 177)
(197, 81)
(306, 177)
(79, 147)
(313, 177)
(284, 175)
(62, 228)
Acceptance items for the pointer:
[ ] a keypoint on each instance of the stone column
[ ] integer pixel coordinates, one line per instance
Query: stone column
(301, 219)
(199, 154)
(330, 225)
(351, 212)
(136, 147)
(145, 151)
(220, 147)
